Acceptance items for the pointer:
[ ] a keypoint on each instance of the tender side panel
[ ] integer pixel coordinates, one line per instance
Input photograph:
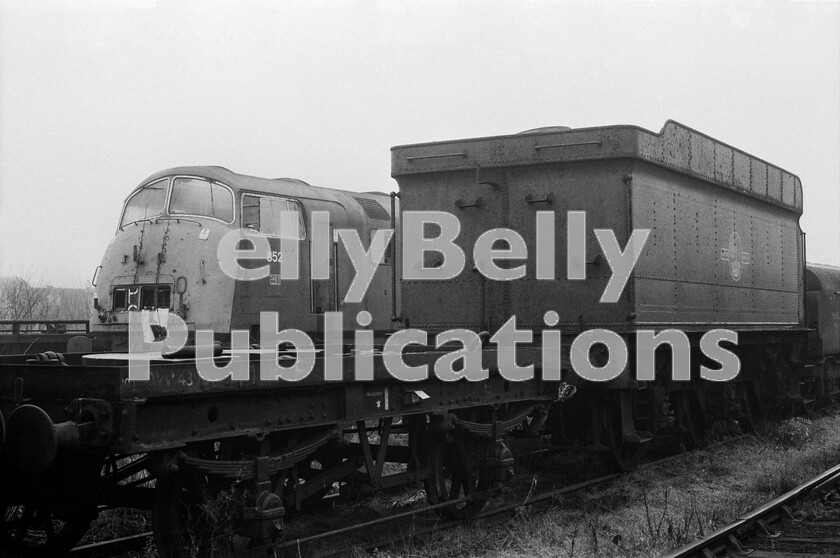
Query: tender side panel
(512, 201)
(727, 247)
(455, 302)
(713, 255)
(461, 296)
(596, 188)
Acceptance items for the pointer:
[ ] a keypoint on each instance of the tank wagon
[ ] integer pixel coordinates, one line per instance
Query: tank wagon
(724, 251)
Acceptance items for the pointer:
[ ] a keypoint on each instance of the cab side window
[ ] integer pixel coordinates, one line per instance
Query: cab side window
(272, 216)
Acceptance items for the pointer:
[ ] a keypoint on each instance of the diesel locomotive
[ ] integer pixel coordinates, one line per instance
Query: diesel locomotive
(724, 251)
(164, 256)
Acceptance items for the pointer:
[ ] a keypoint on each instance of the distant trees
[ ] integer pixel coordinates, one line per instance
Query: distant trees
(22, 300)
(26, 297)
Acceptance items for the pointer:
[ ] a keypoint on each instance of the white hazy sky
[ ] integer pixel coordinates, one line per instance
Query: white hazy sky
(97, 95)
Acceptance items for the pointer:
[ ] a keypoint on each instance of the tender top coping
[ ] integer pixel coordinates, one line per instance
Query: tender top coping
(676, 147)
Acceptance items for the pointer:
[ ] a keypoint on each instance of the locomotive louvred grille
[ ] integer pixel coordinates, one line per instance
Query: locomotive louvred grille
(373, 208)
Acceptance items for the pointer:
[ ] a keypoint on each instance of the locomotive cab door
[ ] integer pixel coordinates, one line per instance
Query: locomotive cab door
(280, 221)
(323, 292)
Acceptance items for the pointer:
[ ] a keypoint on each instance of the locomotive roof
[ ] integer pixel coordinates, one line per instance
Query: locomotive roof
(676, 146)
(827, 275)
(279, 186)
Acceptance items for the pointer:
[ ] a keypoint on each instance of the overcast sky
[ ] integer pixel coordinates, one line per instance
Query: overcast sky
(97, 95)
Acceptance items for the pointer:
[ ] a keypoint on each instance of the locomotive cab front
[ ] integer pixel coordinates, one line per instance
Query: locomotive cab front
(163, 258)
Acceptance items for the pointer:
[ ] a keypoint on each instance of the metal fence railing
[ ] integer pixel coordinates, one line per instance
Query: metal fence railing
(34, 336)
(35, 327)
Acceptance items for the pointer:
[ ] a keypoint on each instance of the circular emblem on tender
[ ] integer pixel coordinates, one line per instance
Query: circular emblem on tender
(735, 255)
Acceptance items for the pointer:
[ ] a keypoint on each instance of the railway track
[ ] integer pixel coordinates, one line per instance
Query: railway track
(383, 531)
(536, 499)
(776, 530)
(415, 528)
(422, 521)
(376, 533)
(112, 548)
(427, 519)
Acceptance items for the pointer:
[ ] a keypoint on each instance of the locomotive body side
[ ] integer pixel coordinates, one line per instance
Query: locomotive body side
(822, 298)
(301, 303)
(822, 291)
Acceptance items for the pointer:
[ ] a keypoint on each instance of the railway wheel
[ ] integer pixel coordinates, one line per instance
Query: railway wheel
(193, 517)
(33, 529)
(455, 475)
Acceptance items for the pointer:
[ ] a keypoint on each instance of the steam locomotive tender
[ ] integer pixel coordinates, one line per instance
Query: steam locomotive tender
(725, 251)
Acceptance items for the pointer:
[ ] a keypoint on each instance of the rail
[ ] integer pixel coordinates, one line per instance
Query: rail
(725, 539)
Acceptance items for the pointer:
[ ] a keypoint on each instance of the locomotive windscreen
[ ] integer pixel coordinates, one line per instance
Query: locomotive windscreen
(145, 203)
(196, 196)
